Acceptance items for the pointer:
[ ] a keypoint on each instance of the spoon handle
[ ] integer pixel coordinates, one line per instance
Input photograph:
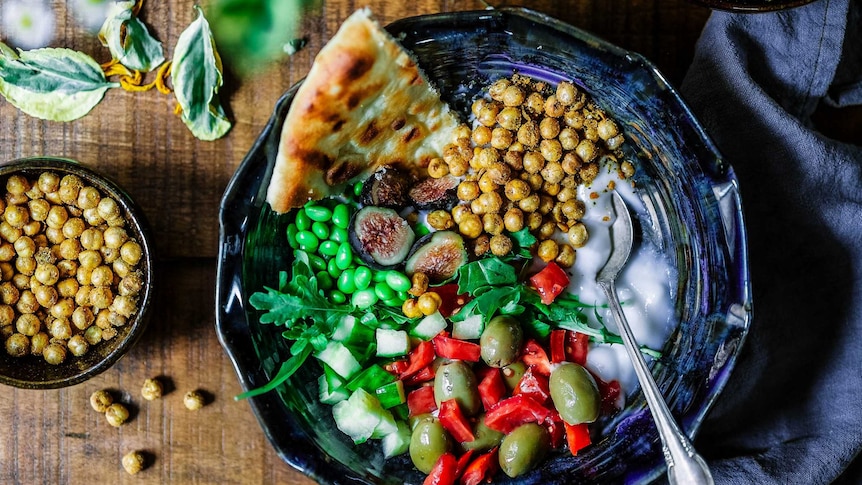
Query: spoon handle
(684, 465)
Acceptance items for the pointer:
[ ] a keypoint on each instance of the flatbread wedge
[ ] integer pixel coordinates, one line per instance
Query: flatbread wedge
(364, 104)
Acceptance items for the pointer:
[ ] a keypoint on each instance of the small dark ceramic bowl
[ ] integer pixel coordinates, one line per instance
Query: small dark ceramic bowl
(32, 372)
(693, 215)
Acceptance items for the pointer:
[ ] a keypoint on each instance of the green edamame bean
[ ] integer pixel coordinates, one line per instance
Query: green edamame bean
(380, 276)
(344, 256)
(316, 262)
(364, 298)
(523, 448)
(421, 230)
(501, 341)
(338, 234)
(337, 297)
(307, 241)
(291, 235)
(328, 249)
(321, 230)
(403, 295)
(394, 302)
(384, 292)
(362, 277)
(303, 223)
(357, 189)
(346, 282)
(324, 281)
(398, 281)
(428, 442)
(318, 213)
(333, 269)
(455, 380)
(341, 216)
(575, 393)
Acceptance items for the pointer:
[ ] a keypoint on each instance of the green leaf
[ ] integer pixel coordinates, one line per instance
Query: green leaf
(129, 40)
(287, 369)
(485, 272)
(197, 76)
(52, 84)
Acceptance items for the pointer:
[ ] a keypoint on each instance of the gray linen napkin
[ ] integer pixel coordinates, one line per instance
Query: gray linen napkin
(792, 410)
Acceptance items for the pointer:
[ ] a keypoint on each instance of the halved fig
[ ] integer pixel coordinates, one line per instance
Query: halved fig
(432, 194)
(438, 255)
(380, 236)
(387, 187)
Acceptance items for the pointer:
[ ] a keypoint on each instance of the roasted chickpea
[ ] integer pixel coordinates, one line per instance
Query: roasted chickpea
(102, 276)
(109, 255)
(25, 265)
(614, 142)
(487, 184)
(437, 168)
(194, 400)
(17, 345)
(481, 245)
(133, 462)
(115, 237)
(501, 138)
(108, 209)
(468, 190)
(54, 235)
(535, 103)
(578, 235)
(83, 317)
(88, 198)
(108, 333)
(7, 271)
(501, 245)
(549, 128)
(9, 294)
(39, 209)
(17, 184)
(47, 274)
(67, 288)
(548, 250)
(627, 168)
(152, 389)
(83, 276)
(28, 324)
(589, 172)
(488, 114)
(101, 297)
(529, 203)
(458, 166)
(54, 353)
(459, 211)
(509, 119)
(7, 252)
(92, 217)
(607, 129)
(89, 259)
(57, 216)
(63, 308)
(499, 172)
(517, 190)
(116, 414)
(490, 202)
(528, 134)
(566, 257)
(513, 95)
(38, 343)
(481, 135)
(418, 283)
(514, 159)
(7, 315)
(409, 308)
(547, 229)
(16, 215)
(492, 223)
(440, 220)
(574, 209)
(9, 233)
(93, 334)
(497, 89)
(534, 162)
(429, 302)
(586, 150)
(566, 92)
(47, 296)
(48, 182)
(78, 345)
(470, 226)
(25, 247)
(513, 219)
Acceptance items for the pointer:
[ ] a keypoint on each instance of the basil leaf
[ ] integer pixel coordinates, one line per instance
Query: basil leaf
(52, 84)
(485, 272)
(197, 75)
(129, 40)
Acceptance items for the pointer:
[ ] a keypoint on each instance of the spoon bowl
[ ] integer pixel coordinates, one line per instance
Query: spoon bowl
(684, 464)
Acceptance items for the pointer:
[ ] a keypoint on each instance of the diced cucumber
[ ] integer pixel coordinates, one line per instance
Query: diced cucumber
(391, 394)
(329, 394)
(396, 443)
(429, 327)
(351, 331)
(361, 417)
(339, 358)
(468, 329)
(370, 379)
(392, 343)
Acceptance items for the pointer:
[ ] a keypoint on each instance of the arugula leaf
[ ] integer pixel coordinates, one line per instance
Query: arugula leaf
(485, 272)
(53, 83)
(128, 39)
(524, 240)
(287, 369)
(197, 77)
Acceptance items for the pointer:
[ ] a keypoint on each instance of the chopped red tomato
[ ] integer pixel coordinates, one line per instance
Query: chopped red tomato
(397, 367)
(421, 401)
(481, 469)
(610, 393)
(453, 348)
(577, 437)
(420, 357)
(492, 388)
(451, 300)
(535, 386)
(558, 345)
(577, 346)
(454, 422)
(444, 471)
(512, 412)
(550, 282)
(535, 356)
(463, 461)
(424, 375)
(556, 430)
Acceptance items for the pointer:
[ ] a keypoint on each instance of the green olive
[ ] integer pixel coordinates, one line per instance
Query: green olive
(455, 380)
(523, 448)
(575, 393)
(501, 341)
(486, 438)
(513, 373)
(427, 443)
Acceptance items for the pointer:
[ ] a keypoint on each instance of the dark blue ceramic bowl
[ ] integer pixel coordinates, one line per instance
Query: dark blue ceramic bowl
(693, 215)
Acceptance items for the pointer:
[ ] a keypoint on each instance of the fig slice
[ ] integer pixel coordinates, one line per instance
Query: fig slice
(432, 194)
(438, 255)
(380, 236)
(387, 187)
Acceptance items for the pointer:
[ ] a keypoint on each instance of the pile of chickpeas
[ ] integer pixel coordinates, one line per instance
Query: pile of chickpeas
(69, 273)
(531, 148)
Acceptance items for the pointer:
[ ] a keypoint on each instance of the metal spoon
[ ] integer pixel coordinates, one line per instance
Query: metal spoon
(684, 465)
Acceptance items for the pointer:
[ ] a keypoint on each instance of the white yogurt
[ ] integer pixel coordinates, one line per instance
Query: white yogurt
(644, 287)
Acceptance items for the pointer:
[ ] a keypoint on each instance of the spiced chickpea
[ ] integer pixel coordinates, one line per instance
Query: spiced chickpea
(548, 250)
(528, 134)
(502, 138)
(500, 245)
(566, 256)
(470, 226)
(459, 211)
(38, 343)
(418, 283)
(482, 135)
(488, 114)
(28, 324)
(566, 93)
(514, 159)
(492, 223)
(437, 168)
(578, 235)
(57, 216)
(547, 229)
(517, 190)
(513, 219)
(535, 103)
(533, 162)
(468, 190)
(509, 119)
(487, 184)
(17, 345)
(438, 219)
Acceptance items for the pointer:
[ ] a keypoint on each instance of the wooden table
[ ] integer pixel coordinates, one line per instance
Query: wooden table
(54, 436)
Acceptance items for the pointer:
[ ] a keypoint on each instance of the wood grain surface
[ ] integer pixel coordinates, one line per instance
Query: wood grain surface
(54, 437)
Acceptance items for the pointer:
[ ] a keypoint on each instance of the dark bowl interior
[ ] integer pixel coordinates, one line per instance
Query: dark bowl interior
(751, 6)
(31, 372)
(693, 214)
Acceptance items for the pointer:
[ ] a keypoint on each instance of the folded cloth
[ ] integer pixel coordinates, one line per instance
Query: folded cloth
(792, 410)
